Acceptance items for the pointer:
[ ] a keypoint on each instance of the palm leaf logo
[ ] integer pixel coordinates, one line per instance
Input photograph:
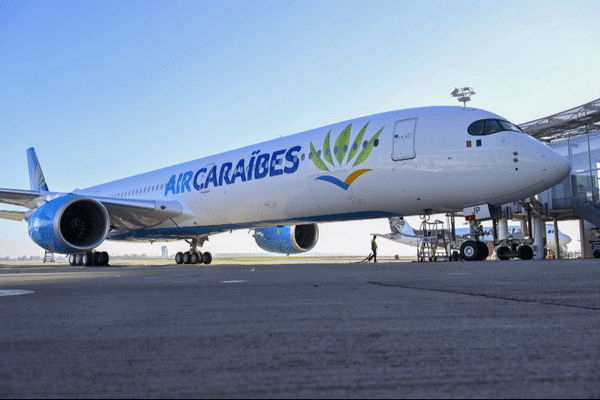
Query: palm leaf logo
(340, 150)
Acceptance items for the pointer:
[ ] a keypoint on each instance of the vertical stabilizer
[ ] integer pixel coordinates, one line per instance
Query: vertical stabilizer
(36, 176)
(399, 226)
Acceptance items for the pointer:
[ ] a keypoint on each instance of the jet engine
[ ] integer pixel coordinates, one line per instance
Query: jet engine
(287, 239)
(69, 224)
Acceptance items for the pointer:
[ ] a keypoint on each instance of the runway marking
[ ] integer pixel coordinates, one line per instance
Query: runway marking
(238, 281)
(458, 273)
(14, 292)
(489, 296)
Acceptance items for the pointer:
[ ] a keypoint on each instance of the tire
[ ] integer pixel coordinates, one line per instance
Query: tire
(194, 258)
(485, 251)
(79, 259)
(179, 258)
(105, 258)
(501, 253)
(72, 260)
(97, 259)
(525, 252)
(87, 259)
(207, 258)
(470, 250)
(596, 254)
(186, 257)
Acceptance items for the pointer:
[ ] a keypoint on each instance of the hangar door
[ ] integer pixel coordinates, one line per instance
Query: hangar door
(404, 139)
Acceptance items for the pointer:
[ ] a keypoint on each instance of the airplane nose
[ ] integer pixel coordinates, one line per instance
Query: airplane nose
(555, 168)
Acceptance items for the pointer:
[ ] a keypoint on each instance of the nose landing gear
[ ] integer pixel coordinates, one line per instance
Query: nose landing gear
(472, 250)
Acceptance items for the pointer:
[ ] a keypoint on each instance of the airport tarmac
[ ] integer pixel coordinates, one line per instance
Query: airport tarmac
(395, 329)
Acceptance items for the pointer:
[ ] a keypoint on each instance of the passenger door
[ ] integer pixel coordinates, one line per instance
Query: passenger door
(404, 139)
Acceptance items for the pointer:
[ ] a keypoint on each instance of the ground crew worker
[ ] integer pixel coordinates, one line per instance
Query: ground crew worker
(374, 249)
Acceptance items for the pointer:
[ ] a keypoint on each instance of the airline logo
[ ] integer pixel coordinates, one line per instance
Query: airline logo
(259, 166)
(341, 148)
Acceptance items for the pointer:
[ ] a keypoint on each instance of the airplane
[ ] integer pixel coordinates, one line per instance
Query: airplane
(397, 163)
(403, 233)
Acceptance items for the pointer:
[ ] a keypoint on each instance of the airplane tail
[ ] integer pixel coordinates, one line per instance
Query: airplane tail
(400, 226)
(36, 176)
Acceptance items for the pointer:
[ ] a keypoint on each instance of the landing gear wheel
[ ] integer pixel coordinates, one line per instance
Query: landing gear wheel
(72, 260)
(87, 259)
(179, 258)
(79, 259)
(103, 259)
(194, 258)
(501, 253)
(596, 254)
(470, 250)
(186, 257)
(207, 258)
(485, 252)
(525, 252)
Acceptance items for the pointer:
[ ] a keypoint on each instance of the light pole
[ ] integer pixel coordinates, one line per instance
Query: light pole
(463, 94)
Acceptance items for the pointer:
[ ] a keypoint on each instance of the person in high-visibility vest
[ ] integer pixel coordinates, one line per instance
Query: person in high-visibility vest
(374, 249)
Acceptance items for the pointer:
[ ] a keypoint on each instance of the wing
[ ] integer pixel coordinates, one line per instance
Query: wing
(125, 214)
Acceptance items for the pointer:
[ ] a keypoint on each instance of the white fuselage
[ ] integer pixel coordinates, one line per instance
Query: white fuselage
(436, 166)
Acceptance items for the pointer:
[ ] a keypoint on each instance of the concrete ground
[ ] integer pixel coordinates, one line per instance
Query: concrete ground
(395, 329)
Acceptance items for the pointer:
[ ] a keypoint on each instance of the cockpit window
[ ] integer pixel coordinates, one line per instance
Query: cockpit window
(491, 126)
(476, 127)
(509, 126)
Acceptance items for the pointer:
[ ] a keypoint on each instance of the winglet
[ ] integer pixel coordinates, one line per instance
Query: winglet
(36, 176)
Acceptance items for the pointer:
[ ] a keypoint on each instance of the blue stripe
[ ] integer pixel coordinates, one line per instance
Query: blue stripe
(333, 180)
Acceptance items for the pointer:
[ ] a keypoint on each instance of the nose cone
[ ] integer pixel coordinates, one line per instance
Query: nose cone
(564, 239)
(555, 167)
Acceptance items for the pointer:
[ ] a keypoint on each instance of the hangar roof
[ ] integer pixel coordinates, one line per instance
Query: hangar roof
(578, 121)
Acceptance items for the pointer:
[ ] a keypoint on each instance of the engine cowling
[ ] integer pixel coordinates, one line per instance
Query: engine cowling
(287, 239)
(69, 224)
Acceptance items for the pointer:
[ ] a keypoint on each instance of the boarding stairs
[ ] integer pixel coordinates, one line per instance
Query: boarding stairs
(432, 242)
(48, 257)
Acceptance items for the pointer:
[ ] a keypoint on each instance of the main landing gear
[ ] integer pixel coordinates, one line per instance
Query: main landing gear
(96, 259)
(194, 256)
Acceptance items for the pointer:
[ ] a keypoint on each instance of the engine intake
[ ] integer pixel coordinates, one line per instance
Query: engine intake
(287, 239)
(69, 224)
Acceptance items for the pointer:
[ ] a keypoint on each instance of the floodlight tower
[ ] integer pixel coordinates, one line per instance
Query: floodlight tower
(463, 94)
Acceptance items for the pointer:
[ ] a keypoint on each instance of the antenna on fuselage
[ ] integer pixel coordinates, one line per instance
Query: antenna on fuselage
(463, 94)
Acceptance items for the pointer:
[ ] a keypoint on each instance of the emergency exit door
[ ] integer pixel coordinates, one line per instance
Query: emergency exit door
(404, 139)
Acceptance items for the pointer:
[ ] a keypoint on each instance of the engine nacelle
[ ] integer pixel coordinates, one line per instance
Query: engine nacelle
(287, 239)
(69, 224)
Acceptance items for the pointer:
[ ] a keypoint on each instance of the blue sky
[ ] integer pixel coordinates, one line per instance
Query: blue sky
(108, 89)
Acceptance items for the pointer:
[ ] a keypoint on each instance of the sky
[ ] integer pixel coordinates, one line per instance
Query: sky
(108, 89)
